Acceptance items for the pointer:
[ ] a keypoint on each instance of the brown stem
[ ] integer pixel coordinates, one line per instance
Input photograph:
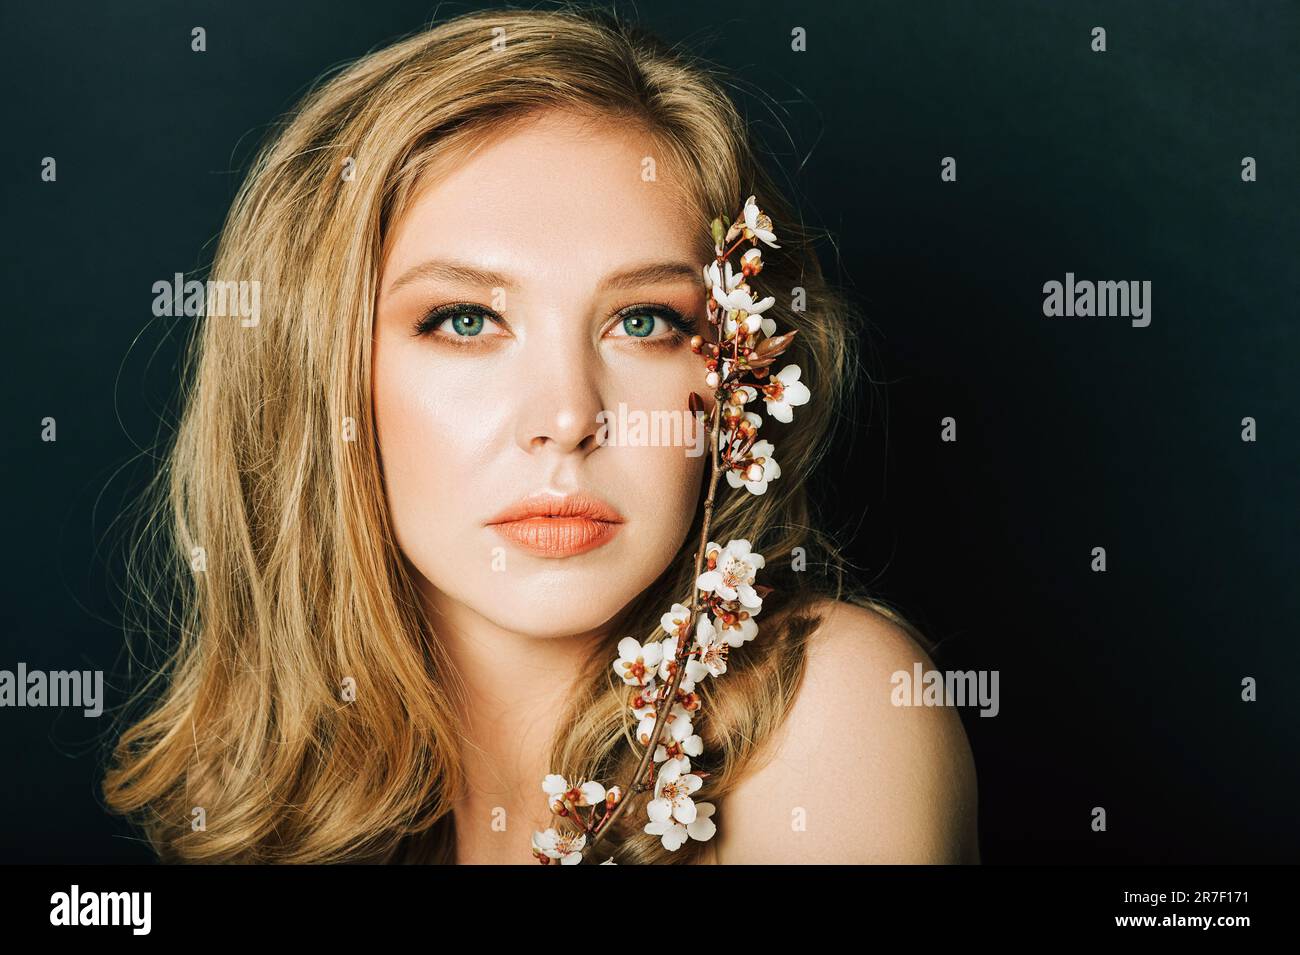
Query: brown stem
(637, 786)
(734, 246)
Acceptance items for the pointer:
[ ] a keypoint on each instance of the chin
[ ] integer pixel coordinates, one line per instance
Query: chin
(546, 613)
(561, 598)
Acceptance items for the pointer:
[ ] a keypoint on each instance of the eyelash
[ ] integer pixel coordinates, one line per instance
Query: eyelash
(681, 327)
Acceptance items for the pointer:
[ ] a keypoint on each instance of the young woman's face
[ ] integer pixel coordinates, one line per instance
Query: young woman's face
(568, 262)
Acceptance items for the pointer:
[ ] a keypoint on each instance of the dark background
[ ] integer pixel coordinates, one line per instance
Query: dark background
(1119, 689)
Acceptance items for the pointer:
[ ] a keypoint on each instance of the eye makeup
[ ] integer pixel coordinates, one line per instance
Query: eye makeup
(680, 327)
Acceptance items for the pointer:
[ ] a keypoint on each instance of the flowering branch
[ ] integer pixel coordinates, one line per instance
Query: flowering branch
(745, 344)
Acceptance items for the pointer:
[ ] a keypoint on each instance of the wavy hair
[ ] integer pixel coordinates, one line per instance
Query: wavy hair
(266, 556)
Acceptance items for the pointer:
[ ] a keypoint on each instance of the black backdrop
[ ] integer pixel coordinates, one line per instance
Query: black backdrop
(1118, 689)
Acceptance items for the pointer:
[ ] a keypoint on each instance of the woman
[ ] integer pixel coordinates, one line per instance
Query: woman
(469, 245)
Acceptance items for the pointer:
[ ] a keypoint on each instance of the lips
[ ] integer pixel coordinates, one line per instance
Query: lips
(550, 525)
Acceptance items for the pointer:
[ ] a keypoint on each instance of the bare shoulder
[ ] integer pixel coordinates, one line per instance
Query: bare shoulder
(851, 777)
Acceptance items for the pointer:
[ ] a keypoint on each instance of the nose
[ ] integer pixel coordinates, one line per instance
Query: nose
(559, 399)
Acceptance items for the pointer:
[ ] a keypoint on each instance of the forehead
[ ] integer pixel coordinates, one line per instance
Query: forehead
(590, 191)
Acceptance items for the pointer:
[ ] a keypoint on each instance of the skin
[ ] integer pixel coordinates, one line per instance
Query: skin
(556, 205)
(850, 778)
(467, 431)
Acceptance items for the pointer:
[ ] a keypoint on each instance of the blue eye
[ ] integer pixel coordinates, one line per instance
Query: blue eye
(462, 321)
(639, 322)
(466, 323)
(457, 323)
(639, 325)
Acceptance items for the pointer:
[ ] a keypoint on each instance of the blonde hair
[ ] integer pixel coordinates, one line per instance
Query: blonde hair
(303, 584)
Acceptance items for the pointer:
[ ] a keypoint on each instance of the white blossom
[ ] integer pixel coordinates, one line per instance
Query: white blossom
(739, 629)
(673, 834)
(694, 671)
(739, 300)
(753, 321)
(673, 791)
(713, 653)
(564, 847)
(732, 577)
(636, 663)
(783, 392)
(674, 623)
(756, 476)
(647, 706)
(677, 724)
(679, 751)
(563, 796)
(715, 279)
(757, 224)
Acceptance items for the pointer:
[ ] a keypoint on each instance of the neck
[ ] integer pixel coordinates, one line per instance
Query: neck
(513, 690)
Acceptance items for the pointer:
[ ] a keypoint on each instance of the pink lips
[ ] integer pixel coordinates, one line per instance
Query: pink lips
(552, 526)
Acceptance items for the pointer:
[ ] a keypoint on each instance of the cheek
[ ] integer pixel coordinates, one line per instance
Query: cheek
(664, 463)
(434, 442)
(669, 481)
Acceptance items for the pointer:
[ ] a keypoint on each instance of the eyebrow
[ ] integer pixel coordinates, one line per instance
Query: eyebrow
(485, 278)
